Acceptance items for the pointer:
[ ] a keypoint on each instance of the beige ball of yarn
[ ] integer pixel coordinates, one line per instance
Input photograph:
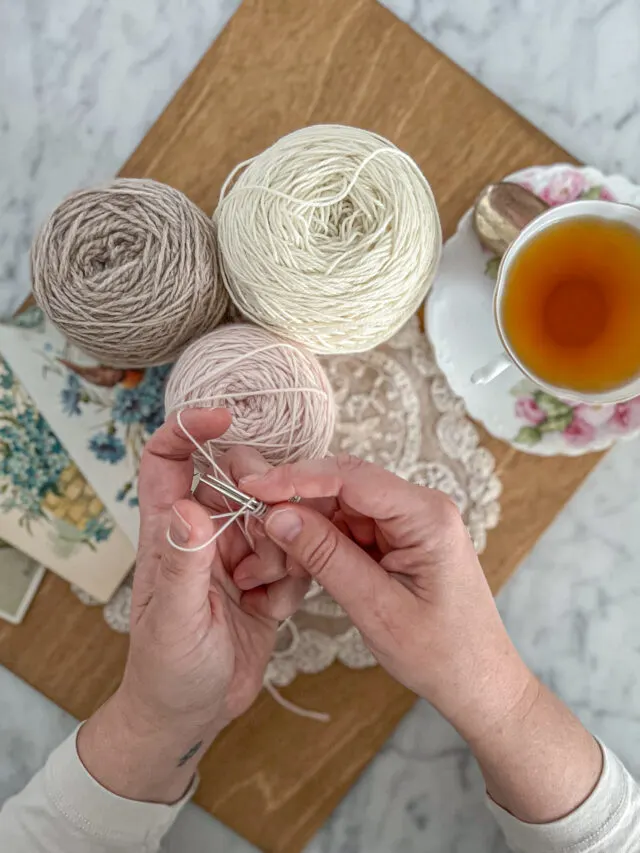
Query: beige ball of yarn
(330, 237)
(278, 394)
(128, 272)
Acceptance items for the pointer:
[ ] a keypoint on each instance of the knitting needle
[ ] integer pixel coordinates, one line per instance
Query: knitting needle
(251, 505)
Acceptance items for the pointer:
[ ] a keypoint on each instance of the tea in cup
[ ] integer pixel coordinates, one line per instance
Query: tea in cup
(567, 303)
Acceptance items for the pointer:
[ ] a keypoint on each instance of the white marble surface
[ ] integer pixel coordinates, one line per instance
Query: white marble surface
(80, 83)
(31, 726)
(572, 68)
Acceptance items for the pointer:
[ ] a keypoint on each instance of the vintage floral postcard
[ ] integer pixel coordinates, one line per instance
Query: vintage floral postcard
(20, 577)
(48, 510)
(102, 415)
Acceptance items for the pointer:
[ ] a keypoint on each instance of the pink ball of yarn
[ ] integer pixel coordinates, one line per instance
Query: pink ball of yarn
(277, 392)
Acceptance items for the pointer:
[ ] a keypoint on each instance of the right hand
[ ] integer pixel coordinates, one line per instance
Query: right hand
(399, 560)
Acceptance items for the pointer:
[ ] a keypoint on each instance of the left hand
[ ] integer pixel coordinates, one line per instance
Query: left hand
(198, 646)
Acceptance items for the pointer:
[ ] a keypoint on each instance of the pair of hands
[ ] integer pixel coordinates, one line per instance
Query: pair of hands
(396, 556)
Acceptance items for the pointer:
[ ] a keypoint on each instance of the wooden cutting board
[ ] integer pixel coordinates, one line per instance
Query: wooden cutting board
(281, 64)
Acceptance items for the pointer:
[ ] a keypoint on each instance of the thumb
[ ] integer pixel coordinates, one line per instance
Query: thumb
(348, 574)
(185, 567)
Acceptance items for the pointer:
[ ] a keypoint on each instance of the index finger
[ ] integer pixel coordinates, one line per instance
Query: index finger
(394, 503)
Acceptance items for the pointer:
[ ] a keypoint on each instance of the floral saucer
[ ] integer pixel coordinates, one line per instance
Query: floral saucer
(460, 325)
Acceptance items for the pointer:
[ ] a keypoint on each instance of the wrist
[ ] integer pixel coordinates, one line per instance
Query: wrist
(135, 755)
(511, 703)
(538, 761)
(492, 683)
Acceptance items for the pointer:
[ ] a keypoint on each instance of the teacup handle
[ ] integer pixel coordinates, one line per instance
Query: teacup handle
(491, 371)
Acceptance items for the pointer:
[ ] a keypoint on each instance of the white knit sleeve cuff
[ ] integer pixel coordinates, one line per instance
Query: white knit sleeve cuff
(99, 813)
(588, 828)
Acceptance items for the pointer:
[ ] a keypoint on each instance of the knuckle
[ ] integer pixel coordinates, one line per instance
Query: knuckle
(319, 554)
(283, 476)
(448, 512)
(445, 514)
(172, 564)
(289, 597)
(243, 460)
(349, 462)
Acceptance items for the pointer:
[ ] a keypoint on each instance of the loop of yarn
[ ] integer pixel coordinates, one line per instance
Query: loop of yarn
(128, 272)
(330, 237)
(238, 515)
(229, 518)
(278, 394)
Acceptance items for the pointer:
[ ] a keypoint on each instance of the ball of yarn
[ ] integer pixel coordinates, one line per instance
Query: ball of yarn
(128, 272)
(277, 392)
(330, 237)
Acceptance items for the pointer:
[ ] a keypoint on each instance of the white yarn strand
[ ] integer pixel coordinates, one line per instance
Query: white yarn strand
(330, 237)
(319, 716)
(231, 516)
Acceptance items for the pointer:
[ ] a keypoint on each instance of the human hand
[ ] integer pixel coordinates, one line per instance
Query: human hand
(198, 645)
(398, 558)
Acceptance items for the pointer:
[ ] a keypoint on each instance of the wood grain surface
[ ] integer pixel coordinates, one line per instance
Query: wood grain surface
(280, 64)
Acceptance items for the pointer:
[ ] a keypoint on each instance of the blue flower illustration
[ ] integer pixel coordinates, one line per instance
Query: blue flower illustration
(154, 421)
(31, 459)
(143, 404)
(107, 447)
(71, 395)
(126, 406)
(99, 529)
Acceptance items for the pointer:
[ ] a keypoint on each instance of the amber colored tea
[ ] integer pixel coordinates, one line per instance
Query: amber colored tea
(571, 304)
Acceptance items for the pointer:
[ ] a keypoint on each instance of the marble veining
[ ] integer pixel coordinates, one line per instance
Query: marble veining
(80, 83)
(31, 726)
(571, 68)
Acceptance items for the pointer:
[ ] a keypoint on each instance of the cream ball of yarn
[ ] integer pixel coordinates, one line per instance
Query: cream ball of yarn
(330, 237)
(128, 272)
(277, 392)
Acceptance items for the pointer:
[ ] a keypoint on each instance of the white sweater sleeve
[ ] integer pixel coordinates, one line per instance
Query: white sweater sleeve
(64, 810)
(608, 821)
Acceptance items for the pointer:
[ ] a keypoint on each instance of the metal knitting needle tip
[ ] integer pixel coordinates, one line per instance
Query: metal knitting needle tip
(251, 505)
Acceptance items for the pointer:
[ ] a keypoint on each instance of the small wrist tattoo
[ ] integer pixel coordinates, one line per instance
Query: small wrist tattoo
(190, 753)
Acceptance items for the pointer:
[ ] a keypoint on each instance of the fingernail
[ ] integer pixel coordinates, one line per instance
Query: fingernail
(284, 525)
(180, 530)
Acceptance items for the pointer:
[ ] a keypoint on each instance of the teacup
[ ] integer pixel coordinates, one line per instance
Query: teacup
(603, 211)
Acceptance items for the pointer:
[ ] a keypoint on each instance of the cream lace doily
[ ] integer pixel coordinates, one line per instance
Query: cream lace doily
(396, 409)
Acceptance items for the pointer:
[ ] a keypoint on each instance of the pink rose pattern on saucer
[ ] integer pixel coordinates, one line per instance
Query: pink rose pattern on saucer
(580, 425)
(541, 413)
